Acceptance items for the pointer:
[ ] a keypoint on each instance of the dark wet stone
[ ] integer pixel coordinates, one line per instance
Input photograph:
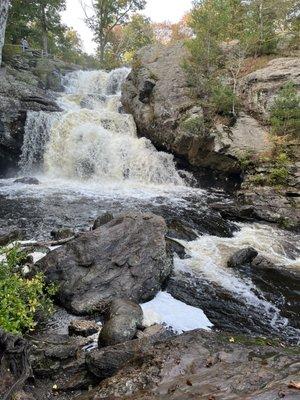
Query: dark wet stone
(242, 257)
(8, 235)
(62, 233)
(125, 258)
(27, 180)
(102, 220)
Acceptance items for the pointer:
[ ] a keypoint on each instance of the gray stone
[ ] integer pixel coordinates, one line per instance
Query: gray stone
(196, 365)
(62, 233)
(260, 88)
(125, 258)
(125, 317)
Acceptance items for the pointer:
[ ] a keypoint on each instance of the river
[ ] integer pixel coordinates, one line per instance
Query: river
(89, 160)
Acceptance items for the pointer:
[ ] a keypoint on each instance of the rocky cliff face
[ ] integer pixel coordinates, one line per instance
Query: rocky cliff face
(165, 110)
(27, 83)
(158, 96)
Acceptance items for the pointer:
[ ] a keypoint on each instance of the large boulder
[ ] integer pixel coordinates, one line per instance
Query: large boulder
(125, 258)
(165, 110)
(260, 88)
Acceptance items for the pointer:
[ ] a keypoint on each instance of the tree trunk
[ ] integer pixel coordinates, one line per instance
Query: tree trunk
(45, 30)
(3, 18)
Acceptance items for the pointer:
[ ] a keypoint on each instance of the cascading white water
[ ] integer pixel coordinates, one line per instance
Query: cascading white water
(37, 131)
(92, 139)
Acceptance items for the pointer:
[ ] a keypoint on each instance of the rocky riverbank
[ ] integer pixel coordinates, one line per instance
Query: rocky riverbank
(102, 275)
(141, 257)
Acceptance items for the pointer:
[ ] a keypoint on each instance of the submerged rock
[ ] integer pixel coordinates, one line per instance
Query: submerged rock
(27, 180)
(124, 319)
(241, 257)
(125, 258)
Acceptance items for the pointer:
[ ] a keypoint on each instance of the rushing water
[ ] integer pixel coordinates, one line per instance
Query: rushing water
(89, 159)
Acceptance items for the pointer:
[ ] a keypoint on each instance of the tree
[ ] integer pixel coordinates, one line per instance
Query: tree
(3, 18)
(137, 34)
(38, 20)
(103, 16)
(285, 112)
(266, 22)
(49, 19)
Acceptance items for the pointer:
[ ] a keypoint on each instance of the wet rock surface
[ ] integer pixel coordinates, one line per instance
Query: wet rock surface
(232, 313)
(242, 257)
(104, 264)
(83, 328)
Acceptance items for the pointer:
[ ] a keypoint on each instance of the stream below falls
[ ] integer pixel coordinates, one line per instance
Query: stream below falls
(90, 160)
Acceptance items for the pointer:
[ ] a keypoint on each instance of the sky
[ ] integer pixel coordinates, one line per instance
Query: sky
(157, 10)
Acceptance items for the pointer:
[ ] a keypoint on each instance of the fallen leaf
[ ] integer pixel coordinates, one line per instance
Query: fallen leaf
(294, 385)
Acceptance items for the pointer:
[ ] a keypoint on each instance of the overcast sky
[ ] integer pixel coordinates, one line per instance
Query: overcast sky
(157, 10)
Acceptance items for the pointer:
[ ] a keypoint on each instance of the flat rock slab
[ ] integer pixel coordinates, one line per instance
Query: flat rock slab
(201, 365)
(125, 258)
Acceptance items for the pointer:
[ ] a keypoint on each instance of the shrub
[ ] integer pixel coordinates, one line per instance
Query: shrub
(223, 99)
(194, 125)
(278, 176)
(21, 298)
(285, 113)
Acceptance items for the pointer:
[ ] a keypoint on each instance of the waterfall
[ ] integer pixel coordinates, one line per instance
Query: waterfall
(37, 132)
(93, 139)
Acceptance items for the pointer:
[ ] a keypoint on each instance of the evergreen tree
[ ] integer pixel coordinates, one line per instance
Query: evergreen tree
(285, 113)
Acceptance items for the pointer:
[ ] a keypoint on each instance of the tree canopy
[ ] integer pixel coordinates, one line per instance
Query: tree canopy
(103, 16)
